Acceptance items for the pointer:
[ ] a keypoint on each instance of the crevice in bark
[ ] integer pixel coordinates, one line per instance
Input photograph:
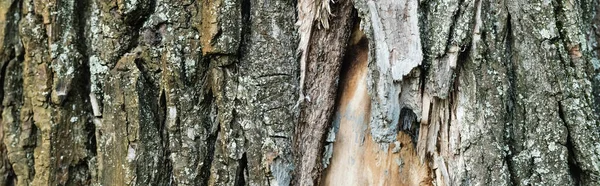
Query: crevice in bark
(78, 171)
(204, 173)
(422, 10)
(348, 63)
(208, 158)
(557, 13)
(11, 33)
(409, 125)
(75, 170)
(134, 29)
(10, 177)
(574, 169)
(164, 133)
(150, 157)
(162, 119)
(246, 24)
(240, 177)
(452, 27)
(140, 64)
(83, 82)
(510, 103)
(423, 78)
(30, 148)
(3, 77)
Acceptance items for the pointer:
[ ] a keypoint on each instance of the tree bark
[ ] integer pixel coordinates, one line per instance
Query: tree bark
(203, 92)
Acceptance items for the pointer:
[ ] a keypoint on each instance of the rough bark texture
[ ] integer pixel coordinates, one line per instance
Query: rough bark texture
(203, 92)
(324, 61)
(157, 92)
(504, 92)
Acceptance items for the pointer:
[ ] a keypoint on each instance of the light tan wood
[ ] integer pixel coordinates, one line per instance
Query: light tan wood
(357, 159)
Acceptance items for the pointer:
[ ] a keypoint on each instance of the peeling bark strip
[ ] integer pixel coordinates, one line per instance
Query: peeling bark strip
(324, 61)
(357, 159)
(395, 52)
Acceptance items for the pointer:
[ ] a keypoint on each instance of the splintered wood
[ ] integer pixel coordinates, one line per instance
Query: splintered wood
(357, 159)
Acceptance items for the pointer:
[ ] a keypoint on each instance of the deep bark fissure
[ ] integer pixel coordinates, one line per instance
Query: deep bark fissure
(240, 177)
(422, 10)
(10, 176)
(35, 133)
(511, 102)
(83, 81)
(12, 33)
(347, 64)
(574, 169)
(211, 141)
(134, 29)
(409, 125)
(163, 134)
(3, 77)
(162, 121)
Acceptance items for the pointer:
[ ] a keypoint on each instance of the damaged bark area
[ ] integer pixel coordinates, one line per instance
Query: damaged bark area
(503, 94)
(323, 64)
(355, 157)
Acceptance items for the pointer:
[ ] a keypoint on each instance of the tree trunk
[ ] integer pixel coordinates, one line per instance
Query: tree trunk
(204, 92)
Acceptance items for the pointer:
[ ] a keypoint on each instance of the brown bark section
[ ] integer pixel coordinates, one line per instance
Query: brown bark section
(323, 64)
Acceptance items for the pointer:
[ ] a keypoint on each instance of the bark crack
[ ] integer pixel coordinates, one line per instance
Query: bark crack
(510, 105)
(240, 178)
(574, 168)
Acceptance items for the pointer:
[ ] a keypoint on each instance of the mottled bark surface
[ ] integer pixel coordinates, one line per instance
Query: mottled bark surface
(203, 92)
(148, 92)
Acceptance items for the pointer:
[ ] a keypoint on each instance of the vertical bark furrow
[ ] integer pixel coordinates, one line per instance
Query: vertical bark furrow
(12, 144)
(264, 104)
(576, 87)
(509, 137)
(593, 34)
(172, 53)
(53, 62)
(323, 64)
(18, 138)
(220, 35)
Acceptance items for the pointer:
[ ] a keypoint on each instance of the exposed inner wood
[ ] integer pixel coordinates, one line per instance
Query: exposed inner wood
(357, 159)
